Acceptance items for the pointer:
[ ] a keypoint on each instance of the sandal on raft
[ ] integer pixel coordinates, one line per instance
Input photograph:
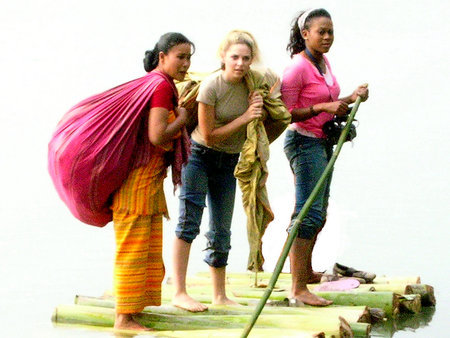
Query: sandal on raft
(343, 270)
(287, 302)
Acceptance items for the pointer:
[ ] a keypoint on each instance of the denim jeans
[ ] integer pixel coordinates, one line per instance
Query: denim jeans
(208, 173)
(308, 158)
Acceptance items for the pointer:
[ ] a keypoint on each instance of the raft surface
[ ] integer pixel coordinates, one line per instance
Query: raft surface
(352, 313)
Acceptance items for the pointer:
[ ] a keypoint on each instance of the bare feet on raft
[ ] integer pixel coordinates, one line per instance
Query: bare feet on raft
(309, 298)
(223, 300)
(125, 321)
(186, 302)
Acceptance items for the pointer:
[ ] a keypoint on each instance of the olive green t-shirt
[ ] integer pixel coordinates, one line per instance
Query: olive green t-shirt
(230, 100)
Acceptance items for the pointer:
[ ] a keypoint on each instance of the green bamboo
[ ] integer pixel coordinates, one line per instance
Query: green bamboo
(387, 301)
(410, 303)
(360, 329)
(246, 275)
(350, 313)
(258, 332)
(397, 287)
(425, 291)
(203, 333)
(203, 287)
(298, 220)
(397, 280)
(284, 279)
(95, 316)
(284, 276)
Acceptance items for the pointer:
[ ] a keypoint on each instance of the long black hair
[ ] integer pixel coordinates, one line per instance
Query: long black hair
(296, 42)
(165, 43)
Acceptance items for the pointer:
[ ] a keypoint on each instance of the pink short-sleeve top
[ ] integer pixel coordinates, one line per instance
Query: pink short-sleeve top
(303, 86)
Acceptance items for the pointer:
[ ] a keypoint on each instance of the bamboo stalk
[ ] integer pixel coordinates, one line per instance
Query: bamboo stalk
(205, 287)
(360, 329)
(425, 291)
(283, 276)
(298, 220)
(410, 303)
(399, 288)
(387, 301)
(350, 313)
(219, 333)
(87, 315)
(258, 332)
(397, 279)
(376, 315)
(344, 329)
(249, 275)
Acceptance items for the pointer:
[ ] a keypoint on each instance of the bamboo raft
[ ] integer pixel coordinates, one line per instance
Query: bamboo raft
(352, 314)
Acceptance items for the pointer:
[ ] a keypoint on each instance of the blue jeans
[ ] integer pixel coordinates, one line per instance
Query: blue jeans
(208, 173)
(308, 158)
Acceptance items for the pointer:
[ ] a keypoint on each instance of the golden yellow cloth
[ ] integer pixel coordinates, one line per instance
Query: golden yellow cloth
(142, 193)
(251, 170)
(139, 268)
(138, 207)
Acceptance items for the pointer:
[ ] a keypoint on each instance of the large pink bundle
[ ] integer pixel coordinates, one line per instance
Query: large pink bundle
(95, 147)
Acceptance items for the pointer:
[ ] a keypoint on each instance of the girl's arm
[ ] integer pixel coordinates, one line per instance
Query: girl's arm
(362, 91)
(160, 130)
(339, 107)
(206, 120)
(335, 108)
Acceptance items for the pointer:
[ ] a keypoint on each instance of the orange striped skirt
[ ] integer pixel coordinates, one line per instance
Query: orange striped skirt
(138, 208)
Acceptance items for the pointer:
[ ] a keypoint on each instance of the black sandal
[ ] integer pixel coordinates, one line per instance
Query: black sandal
(351, 272)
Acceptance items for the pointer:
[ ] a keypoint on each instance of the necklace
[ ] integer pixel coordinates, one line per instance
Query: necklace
(314, 60)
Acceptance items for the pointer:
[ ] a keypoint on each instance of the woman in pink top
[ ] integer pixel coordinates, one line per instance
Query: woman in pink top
(311, 94)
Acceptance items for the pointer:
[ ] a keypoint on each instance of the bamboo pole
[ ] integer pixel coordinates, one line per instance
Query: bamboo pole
(399, 288)
(397, 280)
(350, 313)
(410, 303)
(95, 316)
(248, 275)
(298, 220)
(203, 333)
(232, 333)
(360, 329)
(425, 291)
(387, 301)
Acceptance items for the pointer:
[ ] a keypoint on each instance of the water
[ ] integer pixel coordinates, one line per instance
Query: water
(388, 210)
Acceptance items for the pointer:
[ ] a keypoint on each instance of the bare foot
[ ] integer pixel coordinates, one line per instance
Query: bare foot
(223, 300)
(125, 321)
(186, 302)
(309, 298)
(315, 277)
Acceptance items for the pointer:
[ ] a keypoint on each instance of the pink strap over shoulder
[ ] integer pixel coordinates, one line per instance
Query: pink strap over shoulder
(93, 148)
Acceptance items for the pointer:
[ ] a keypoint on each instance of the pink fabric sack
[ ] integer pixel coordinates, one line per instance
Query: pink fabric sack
(95, 147)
